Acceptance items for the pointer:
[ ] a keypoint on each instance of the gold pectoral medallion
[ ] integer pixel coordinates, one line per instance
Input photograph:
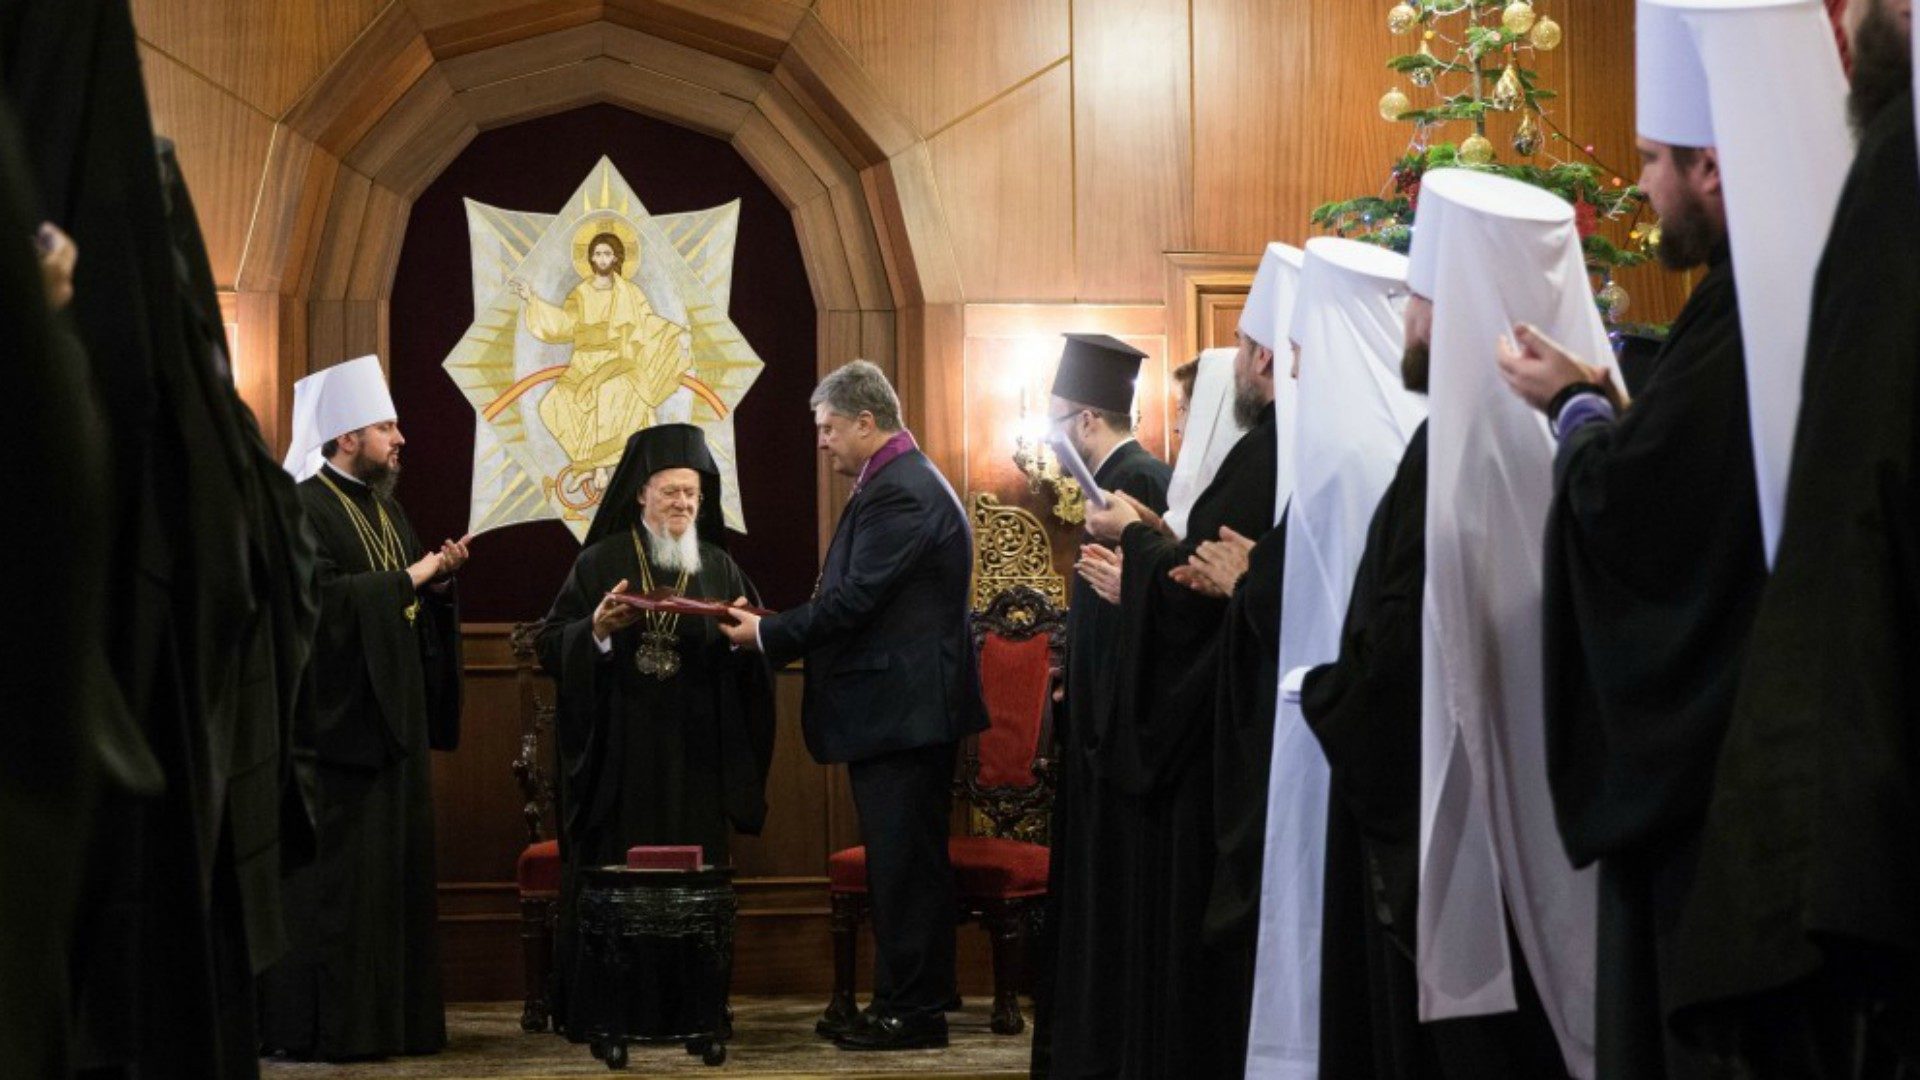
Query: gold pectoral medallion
(659, 652)
(657, 655)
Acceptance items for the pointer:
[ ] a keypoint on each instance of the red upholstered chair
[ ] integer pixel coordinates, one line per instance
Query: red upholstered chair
(537, 871)
(1001, 876)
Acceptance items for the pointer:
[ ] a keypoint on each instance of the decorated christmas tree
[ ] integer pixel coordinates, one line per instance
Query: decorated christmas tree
(1473, 62)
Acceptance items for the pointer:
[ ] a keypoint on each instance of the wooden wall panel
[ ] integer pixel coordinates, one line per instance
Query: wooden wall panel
(1005, 178)
(266, 54)
(340, 237)
(271, 342)
(416, 139)
(751, 32)
(512, 59)
(684, 63)
(775, 161)
(290, 212)
(984, 48)
(1132, 145)
(895, 41)
(939, 60)
(825, 255)
(912, 228)
(383, 225)
(676, 101)
(364, 83)
(222, 143)
(1253, 102)
(457, 27)
(830, 84)
(932, 385)
(540, 93)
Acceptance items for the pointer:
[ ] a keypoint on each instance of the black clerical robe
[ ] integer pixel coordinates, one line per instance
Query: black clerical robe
(1247, 692)
(1653, 572)
(1810, 858)
(177, 907)
(1092, 823)
(1364, 708)
(1160, 750)
(59, 731)
(361, 977)
(644, 760)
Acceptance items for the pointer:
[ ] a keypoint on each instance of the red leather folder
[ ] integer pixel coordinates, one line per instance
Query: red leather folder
(674, 604)
(665, 857)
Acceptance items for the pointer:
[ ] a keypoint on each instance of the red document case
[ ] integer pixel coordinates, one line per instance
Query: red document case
(664, 857)
(674, 604)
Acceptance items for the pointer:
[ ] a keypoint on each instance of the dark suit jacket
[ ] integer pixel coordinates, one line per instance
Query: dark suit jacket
(890, 664)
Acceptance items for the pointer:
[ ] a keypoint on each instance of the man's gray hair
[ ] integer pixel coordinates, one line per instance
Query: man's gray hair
(859, 387)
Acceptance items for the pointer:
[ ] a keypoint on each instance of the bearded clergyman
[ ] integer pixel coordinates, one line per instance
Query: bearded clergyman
(664, 730)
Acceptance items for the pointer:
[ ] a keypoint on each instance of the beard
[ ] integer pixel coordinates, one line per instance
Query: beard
(1687, 235)
(674, 554)
(1248, 403)
(380, 474)
(1414, 364)
(1882, 65)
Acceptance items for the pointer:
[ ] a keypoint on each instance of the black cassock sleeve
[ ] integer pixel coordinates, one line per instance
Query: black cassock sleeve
(584, 685)
(1653, 569)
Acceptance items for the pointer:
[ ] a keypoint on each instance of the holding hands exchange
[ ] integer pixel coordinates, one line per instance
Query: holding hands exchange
(613, 616)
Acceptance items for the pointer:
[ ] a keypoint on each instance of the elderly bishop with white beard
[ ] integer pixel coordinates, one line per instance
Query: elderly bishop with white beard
(664, 730)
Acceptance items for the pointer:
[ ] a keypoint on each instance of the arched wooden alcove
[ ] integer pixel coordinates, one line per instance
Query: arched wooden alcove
(351, 152)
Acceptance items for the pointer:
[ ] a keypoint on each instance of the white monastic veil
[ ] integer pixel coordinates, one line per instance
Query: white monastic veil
(1211, 432)
(1488, 252)
(1355, 418)
(1772, 75)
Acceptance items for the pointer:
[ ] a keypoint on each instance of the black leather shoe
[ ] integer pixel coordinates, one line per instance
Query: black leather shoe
(897, 1033)
(832, 1027)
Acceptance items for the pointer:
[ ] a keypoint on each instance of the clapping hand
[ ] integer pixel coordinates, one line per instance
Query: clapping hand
(1100, 567)
(1216, 566)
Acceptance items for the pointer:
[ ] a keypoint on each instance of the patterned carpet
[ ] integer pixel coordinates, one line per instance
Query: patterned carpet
(773, 1038)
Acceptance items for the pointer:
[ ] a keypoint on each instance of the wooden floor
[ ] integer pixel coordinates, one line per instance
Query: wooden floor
(773, 1038)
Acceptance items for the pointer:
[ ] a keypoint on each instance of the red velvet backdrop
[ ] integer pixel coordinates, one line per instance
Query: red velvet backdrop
(535, 166)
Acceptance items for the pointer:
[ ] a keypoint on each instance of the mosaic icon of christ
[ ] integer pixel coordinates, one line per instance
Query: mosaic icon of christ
(626, 362)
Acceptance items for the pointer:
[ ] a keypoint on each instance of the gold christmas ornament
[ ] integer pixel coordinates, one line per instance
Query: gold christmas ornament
(1545, 35)
(1508, 92)
(1518, 17)
(1526, 137)
(1393, 103)
(1614, 300)
(1422, 76)
(1476, 150)
(1401, 18)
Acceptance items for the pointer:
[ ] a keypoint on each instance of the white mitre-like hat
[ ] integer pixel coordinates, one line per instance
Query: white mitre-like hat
(329, 403)
(1771, 71)
(1669, 83)
(1269, 309)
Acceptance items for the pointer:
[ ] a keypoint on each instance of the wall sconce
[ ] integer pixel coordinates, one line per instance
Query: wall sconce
(1036, 461)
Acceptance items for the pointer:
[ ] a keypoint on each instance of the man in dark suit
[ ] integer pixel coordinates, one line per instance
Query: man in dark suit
(891, 689)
